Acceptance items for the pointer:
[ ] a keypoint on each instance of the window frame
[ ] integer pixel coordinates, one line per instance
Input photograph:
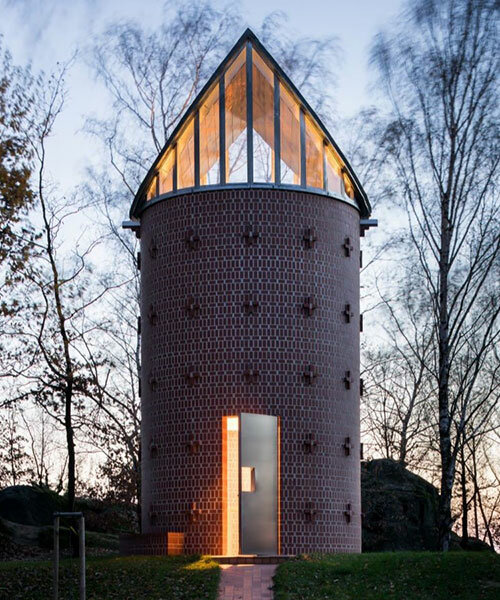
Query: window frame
(193, 116)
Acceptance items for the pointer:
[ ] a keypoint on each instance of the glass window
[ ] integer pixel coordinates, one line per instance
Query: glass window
(318, 163)
(166, 172)
(209, 139)
(349, 188)
(333, 172)
(151, 189)
(290, 138)
(185, 158)
(236, 120)
(314, 156)
(263, 120)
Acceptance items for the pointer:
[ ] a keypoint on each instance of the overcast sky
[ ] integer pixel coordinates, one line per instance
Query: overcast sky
(47, 31)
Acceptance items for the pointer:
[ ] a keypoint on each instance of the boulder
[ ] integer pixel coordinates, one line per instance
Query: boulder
(400, 509)
(35, 506)
(29, 505)
(472, 544)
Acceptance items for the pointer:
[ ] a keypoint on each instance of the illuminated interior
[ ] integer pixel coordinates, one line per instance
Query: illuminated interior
(230, 476)
(247, 479)
(289, 137)
(250, 126)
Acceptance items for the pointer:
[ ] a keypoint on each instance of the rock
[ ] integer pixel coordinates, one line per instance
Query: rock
(400, 509)
(18, 542)
(35, 506)
(472, 544)
(29, 505)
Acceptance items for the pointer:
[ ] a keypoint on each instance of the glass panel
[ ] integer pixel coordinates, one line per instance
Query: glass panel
(333, 172)
(185, 158)
(290, 138)
(349, 188)
(151, 189)
(166, 171)
(209, 139)
(263, 120)
(236, 120)
(314, 156)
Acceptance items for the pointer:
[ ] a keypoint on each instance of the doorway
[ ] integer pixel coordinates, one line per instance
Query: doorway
(250, 484)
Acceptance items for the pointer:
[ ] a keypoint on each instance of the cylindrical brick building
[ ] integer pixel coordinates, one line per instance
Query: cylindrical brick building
(250, 223)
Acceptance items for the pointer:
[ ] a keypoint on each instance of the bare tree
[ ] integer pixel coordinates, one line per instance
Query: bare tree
(15, 463)
(58, 301)
(396, 403)
(45, 448)
(152, 77)
(115, 424)
(439, 70)
(478, 459)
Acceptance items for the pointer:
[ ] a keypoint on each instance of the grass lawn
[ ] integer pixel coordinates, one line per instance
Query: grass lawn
(391, 576)
(110, 578)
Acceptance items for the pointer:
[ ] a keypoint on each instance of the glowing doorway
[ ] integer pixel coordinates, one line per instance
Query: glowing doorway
(250, 484)
(231, 484)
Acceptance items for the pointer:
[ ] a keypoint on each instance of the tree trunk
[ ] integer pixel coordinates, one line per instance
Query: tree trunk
(445, 520)
(70, 443)
(487, 532)
(139, 504)
(404, 441)
(474, 476)
(445, 447)
(465, 512)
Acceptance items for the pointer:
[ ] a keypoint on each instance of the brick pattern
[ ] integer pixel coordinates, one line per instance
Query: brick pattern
(194, 362)
(246, 582)
(158, 544)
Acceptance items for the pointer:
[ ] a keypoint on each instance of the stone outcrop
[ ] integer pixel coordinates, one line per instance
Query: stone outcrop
(400, 509)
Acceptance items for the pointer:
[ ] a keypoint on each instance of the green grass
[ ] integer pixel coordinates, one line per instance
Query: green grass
(378, 576)
(123, 578)
(391, 576)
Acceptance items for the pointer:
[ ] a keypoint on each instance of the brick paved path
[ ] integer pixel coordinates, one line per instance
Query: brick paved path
(246, 582)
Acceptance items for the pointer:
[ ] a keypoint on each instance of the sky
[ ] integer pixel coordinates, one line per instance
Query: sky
(46, 31)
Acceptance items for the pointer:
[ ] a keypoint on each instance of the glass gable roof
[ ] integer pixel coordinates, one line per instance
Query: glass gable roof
(248, 127)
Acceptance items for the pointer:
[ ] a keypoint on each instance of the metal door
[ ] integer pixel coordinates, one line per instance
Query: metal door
(259, 476)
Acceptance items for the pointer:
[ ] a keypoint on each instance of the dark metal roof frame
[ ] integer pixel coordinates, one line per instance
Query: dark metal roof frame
(248, 35)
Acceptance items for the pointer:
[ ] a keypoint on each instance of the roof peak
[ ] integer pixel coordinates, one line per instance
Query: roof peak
(250, 40)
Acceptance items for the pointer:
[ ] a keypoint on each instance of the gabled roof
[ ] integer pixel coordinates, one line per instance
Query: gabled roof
(248, 36)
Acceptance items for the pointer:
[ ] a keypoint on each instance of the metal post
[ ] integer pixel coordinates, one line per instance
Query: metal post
(222, 131)
(249, 90)
(56, 557)
(325, 177)
(303, 174)
(81, 547)
(81, 531)
(277, 131)
(174, 174)
(197, 149)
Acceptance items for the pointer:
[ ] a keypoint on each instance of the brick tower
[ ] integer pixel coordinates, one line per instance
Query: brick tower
(250, 222)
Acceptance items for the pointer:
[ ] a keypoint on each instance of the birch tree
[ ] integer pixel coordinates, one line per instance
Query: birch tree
(439, 71)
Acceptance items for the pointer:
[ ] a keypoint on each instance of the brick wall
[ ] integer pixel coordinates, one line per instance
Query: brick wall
(231, 287)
